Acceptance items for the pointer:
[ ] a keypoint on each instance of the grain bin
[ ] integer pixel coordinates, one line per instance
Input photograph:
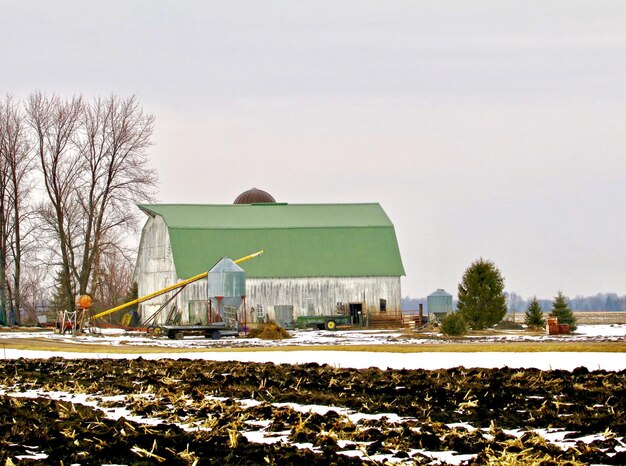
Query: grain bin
(439, 304)
(226, 288)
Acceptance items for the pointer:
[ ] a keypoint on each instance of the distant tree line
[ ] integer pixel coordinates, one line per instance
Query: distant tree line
(598, 302)
(71, 171)
(515, 303)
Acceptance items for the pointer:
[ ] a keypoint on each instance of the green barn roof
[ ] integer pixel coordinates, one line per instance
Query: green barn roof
(299, 240)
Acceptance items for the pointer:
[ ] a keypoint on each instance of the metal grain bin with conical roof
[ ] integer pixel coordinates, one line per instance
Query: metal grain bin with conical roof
(227, 285)
(439, 304)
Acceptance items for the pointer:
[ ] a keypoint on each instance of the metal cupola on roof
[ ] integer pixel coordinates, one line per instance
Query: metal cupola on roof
(254, 196)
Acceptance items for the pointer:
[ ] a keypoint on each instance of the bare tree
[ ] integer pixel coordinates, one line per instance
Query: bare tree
(116, 137)
(15, 188)
(93, 157)
(36, 292)
(115, 274)
(55, 124)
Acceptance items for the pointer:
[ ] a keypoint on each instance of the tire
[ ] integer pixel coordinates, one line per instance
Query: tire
(216, 335)
(331, 325)
(171, 335)
(179, 335)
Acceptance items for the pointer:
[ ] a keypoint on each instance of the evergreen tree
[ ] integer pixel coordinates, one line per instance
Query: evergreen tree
(534, 314)
(454, 325)
(481, 295)
(561, 310)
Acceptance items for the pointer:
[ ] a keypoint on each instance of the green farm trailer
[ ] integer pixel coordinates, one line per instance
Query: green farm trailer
(328, 322)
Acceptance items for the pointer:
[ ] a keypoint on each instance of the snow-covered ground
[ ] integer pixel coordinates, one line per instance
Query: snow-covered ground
(238, 349)
(613, 332)
(364, 359)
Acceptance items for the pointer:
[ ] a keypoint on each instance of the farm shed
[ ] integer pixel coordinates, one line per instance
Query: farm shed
(318, 257)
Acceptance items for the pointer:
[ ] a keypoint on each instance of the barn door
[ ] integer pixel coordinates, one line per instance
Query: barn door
(356, 313)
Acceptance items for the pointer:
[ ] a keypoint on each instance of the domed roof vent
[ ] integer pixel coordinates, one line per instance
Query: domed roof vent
(254, 196)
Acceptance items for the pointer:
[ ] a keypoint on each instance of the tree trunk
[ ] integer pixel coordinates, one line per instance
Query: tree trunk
(3, 289)
(4, 304)
(17, 259)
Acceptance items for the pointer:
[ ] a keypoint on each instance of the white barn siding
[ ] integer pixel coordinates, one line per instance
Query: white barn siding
(325, 293)
(155, 264)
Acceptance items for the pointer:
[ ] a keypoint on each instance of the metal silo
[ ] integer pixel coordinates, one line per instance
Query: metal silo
(226, 289)
(439, 304)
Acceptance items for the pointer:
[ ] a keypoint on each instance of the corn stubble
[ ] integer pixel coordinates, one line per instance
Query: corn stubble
(202, 419)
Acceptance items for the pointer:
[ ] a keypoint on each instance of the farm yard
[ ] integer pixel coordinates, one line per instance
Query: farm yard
(128, 399)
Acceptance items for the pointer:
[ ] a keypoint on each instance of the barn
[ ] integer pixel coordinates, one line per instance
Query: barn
(318, 258)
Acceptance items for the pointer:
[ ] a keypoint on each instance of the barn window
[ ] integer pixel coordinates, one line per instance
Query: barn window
(383, 305)
(260, 312)
(310, 306)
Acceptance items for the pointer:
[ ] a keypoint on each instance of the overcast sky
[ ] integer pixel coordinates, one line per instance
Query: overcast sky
(492, 129)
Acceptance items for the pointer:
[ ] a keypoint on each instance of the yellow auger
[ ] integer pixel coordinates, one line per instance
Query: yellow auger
(165, 290)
